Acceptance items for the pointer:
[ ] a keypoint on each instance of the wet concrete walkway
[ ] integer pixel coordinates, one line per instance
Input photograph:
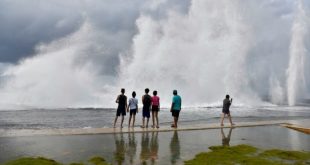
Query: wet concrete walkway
(84, 131)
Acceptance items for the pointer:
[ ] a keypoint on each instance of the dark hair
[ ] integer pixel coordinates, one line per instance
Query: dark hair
(133, 94)
(146, 90)
(175, 92)
(123, 90)
(227, 96)
(155, 93)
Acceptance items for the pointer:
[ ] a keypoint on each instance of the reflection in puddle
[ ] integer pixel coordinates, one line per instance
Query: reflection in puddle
(119, 154)
(132, 147)
(149, 147)
(145, 148)
(175, 148)
(154, 147)
(226, 139)
(127, 149)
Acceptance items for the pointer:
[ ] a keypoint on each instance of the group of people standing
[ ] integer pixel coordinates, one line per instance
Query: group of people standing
(150, 104)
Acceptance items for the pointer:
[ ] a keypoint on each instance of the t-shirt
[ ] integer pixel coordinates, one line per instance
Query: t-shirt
(155, 100)
(226, 104)
(177, 102)
(147, 100)
(133, 102)
(122, 99)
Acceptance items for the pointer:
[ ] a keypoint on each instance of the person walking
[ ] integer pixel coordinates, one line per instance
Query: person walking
(175, 108)
(122, 106)
(226, 105)
(155, 109)
(133, 106)
(147, 101)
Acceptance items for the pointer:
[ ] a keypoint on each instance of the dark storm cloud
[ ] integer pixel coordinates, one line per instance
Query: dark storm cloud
(25, 24)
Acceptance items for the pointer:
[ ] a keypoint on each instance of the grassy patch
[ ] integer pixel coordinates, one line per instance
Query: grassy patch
(44, 161)
(33, 161)
(248, 155)
(98, 161)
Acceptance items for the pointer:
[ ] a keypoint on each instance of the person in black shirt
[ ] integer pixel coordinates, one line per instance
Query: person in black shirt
(122, 106)
(147, 102)
(226, 105)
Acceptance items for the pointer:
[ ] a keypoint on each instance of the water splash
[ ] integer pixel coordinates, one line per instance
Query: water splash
(61, 74)
(296, 83)
(202, 54)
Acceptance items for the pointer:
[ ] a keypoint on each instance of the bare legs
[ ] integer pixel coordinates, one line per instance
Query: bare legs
(229, 118)
(155, 117)
(147, 122)
(116, 121)
(175, 122)
(133, 120)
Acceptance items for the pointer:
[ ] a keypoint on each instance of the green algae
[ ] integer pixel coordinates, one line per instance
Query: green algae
(44, 161)
(248, 155)
(97, 160)
(224, 155)
(287, 155)
(33, 161)
(76, 164)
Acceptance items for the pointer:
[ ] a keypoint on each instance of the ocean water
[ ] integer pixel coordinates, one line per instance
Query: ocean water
(103, 118)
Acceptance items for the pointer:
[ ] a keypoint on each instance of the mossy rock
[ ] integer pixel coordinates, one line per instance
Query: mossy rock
(248, 155)
(97, 160)
(33, 161)
(76, 164)
(287, 155)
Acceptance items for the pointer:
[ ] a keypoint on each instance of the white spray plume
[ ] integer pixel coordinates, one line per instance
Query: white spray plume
(296, 83)
(61, 74)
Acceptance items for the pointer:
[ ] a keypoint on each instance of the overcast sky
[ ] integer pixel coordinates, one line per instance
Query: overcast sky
(25, 24)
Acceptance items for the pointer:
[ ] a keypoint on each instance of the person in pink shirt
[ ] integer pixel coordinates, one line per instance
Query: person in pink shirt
(155, 109)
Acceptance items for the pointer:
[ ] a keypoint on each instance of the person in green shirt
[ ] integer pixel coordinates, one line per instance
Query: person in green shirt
(175, 108)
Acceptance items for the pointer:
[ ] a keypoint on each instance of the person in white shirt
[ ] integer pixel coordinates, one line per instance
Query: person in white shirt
(133, 106)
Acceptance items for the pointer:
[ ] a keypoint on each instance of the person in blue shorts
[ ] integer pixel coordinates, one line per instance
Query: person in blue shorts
(175, 108)
(147, 102)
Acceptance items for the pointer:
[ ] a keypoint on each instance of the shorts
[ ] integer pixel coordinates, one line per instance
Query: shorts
(121, 111)
(146, 112)
(226, 111)
(155, 108)
(175, 113)
(133, 112)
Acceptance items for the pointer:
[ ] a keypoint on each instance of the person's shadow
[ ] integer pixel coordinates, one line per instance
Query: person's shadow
(226, 139)
(120, 149)
(154, 147)
(132, 147)
(175, 148)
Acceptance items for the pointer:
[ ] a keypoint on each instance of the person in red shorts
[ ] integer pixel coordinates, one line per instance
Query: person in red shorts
(155, 109)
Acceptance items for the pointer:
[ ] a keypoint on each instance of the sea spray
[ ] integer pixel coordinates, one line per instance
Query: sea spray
(296, 84)
(202, 54)
(61, 74)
